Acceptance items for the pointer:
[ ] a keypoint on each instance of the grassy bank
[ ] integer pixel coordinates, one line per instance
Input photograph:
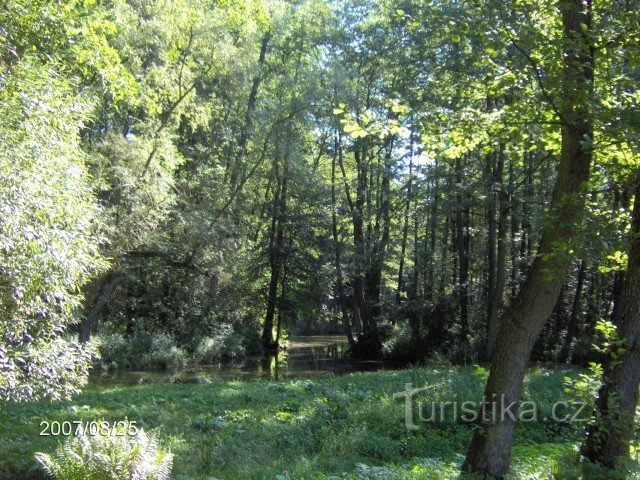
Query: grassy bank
(344, 427)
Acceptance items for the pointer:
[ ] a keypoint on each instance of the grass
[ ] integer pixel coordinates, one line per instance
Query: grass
(346, 427)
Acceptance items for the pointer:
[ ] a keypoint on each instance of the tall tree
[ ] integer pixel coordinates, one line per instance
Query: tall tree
(490, 447)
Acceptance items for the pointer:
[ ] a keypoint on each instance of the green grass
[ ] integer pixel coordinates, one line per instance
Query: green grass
(347, 426)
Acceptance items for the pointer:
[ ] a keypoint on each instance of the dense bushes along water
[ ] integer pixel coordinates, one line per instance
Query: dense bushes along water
(159, 351)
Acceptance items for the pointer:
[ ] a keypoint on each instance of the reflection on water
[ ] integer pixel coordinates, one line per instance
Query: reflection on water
(305, 357)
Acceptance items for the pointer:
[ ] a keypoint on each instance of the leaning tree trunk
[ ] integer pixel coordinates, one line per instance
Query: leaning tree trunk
(490, 447)
(243, 141)
(607, 441)
(108, 285)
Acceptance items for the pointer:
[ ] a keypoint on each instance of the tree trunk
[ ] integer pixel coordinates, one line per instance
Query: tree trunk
(405, 228)
(443, 257)
(413, 294)
(490, 447)
(433, 228)
(607, 440)
(274, 263)
(379, 243)
(276, 252)
(359, 287)
(497, 297)
(283, 292)
(513, 251)
(241, 150)
(336, 247)
(491, 206)
(462, 248)
(575, 312)
(109, 285)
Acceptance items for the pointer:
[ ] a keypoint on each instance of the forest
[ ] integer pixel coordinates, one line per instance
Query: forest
(235, 234)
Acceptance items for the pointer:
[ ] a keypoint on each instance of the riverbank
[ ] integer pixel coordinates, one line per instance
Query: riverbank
(144, 357)
(345, 426)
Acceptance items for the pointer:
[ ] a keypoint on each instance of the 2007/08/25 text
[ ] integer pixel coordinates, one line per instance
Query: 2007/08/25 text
(80, 427)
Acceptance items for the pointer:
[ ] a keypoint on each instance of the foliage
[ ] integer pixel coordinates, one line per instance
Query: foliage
(158, 351)
(224, 344)
(611, 345)
(194, 180)
(405, 346)
(47, 235)
(116, 455)
(206, 133)
(142, 351)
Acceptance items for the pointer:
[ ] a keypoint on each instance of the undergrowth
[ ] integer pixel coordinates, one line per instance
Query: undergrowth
(346, 427)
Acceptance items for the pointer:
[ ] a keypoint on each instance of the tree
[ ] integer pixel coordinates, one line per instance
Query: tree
(49, 216)
(607, 440)
(48, 247)
(491, 444)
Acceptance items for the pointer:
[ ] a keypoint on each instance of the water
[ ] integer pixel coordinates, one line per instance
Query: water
(305, 357)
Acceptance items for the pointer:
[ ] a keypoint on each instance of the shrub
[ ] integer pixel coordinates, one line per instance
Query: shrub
(224, 344)
(48, 220)
(116, 456)
(403, 346)
(113, 350)
(141, 351)
(250, 329)
(163, 353)
(59, 359)
(385, 330)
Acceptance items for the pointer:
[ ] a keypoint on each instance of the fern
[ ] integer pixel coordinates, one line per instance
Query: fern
(116, 456)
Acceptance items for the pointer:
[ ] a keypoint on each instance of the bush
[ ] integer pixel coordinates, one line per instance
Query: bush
(163, 353)
(403, 346)
(116, 456)
(114, 352)
(141, 351)
(225, 344)
(48, 224)
(250, 330)
(59, 360)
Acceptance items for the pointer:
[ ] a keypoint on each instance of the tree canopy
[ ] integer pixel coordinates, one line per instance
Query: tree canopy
(422, 176)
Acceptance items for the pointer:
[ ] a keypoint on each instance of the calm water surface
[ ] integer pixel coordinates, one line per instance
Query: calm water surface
(304, 357)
